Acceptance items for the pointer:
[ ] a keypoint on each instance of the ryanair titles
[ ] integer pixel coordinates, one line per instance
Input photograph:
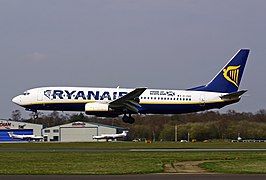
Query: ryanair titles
(85, 95)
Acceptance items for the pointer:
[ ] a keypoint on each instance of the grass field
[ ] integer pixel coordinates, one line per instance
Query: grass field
(130, 145)
(127, 162)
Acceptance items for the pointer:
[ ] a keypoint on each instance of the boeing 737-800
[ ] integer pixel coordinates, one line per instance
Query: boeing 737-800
(222, 90)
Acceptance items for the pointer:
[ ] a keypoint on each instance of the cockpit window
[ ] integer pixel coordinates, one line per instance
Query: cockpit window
(26, 93)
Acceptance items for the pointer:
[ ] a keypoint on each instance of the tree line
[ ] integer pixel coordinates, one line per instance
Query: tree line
(200, 126)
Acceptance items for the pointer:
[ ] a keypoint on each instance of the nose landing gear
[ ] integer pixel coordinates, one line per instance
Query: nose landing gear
(35, 115)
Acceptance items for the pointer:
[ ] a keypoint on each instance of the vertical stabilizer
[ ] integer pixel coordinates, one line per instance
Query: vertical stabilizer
(229, 77)
(11, 134)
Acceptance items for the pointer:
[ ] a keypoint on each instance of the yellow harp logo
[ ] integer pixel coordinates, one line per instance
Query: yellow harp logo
(231, 74)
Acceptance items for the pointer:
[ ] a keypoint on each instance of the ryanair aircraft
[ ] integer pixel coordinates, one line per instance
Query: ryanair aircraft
(222, 90)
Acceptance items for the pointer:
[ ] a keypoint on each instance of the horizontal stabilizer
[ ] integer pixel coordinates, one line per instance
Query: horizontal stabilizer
(234, 94)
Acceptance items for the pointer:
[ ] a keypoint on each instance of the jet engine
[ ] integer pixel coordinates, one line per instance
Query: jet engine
(96, 107)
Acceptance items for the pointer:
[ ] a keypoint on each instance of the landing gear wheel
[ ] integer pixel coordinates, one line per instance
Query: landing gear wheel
(128, 119)
(125, 119)
(35, 116)
(131, 120)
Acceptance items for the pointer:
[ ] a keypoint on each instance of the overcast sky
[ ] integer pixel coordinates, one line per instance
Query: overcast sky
(172, 44)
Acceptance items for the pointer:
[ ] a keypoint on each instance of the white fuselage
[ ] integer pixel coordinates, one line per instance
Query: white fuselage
(24, 137)
(222, 90)
(156, 101)
(111, 136)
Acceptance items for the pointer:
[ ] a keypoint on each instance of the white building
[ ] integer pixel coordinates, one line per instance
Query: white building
(18, 127)
(78, 131)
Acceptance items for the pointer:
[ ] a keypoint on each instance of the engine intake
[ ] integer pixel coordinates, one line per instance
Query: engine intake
(96, 107)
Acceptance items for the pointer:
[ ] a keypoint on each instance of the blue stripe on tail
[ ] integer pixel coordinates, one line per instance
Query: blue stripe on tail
(228, 79)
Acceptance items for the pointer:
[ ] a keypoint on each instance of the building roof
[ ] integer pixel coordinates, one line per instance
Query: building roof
(9, 120)
(88, 123)
(105, 125)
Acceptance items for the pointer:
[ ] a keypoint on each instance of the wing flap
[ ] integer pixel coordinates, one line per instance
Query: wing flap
(131, 108)
(134, 103)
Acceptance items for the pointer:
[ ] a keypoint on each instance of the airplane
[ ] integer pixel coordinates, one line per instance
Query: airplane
(221, 91)
(111, 136)
(25, 137)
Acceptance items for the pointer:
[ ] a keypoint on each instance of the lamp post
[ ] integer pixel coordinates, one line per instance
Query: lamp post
(176, 133)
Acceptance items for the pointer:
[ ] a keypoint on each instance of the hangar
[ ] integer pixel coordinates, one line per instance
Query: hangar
(78, 131)
(18, 127)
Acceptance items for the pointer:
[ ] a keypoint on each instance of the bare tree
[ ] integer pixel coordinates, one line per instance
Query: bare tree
(16, 115)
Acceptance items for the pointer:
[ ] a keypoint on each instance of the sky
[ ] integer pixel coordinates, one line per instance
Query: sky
(166, 44)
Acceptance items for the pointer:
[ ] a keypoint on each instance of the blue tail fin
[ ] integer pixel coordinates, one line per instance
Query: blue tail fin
(228, 79)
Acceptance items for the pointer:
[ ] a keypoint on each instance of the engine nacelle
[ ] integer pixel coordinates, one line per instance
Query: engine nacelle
(96, 107)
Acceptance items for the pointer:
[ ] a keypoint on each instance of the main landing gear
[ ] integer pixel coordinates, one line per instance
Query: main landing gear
(35, 115)
(128, 119)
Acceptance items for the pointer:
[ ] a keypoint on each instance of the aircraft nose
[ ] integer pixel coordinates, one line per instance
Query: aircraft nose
(16, 100)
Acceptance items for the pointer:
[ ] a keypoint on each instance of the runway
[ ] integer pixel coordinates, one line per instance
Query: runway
(198, 150)
(128, 150)
(139, 177)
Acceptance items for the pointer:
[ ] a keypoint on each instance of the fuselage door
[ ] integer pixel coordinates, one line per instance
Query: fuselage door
(202, 100)
(40, 96)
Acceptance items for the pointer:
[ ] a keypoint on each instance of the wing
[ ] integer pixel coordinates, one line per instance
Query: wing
(37, 138)
(129, 102)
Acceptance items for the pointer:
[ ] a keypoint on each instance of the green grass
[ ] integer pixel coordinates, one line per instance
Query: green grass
(79, 163)
(127, 162)
(130, 145)
(243, 166)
